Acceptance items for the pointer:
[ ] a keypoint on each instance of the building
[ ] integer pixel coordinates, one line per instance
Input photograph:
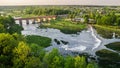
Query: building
(78, 20)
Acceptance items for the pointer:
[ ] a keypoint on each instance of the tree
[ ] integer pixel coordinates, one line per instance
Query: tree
(92, 65)
(57, 62)
(86, 17)
(118, 22)
(28, 10)
(2, 29)
(92, 15)
(7, 44)
(109, 19)
(80, 62)
(33, 62)
(21, 53)
(15, 29)
(9, 25)
(18, 37)
(48, 59)
(69, 62)
(37, 51)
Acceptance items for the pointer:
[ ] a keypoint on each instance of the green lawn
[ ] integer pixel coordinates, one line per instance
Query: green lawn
(39, 40)
(67, 27)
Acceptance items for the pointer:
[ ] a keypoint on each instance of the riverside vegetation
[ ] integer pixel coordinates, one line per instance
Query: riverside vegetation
(39, 40)
(115, 46)
(67, 27)
(108, 59)
(107, 31)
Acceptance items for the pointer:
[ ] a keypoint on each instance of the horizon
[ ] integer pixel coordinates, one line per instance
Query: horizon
(65, 5)
(60, 2)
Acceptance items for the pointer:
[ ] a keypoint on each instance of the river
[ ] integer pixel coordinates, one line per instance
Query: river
(86, 41)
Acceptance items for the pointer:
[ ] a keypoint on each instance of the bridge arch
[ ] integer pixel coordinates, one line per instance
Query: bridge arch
(34, 19)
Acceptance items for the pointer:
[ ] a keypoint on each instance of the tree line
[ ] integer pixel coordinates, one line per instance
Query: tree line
(108, 19)
(45, 11)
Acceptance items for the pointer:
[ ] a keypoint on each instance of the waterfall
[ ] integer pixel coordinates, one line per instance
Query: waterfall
(98, 41)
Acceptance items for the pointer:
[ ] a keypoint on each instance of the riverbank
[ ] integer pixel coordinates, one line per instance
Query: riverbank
(66, 27)
(107, 31)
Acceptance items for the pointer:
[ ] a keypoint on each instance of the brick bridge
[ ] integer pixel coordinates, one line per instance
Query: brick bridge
(38, 19)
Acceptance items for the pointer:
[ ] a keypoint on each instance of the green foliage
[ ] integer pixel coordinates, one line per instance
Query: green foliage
(9, 25)
(108, 59)
(39, 40)
(80, 62)
(27, 56)
(28, 10)
(37, 51)
(108, 19)
(108, 55)
(2, 29)
(67, 27)
(118, 21)
(45, 11)
(86, 17)
(19, 55)
(18, 37)
(107, 31)
(16, 53)
(15, 29)
(7, 45)
(22, 51)
(92, 65)
(33, 62)
(51, 58)
(114, 46)
(69, 62)
(57, 62)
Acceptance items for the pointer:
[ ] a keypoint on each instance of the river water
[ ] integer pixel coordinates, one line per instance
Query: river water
(86, 41)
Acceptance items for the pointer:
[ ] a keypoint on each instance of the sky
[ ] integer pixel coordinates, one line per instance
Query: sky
(60, 2)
